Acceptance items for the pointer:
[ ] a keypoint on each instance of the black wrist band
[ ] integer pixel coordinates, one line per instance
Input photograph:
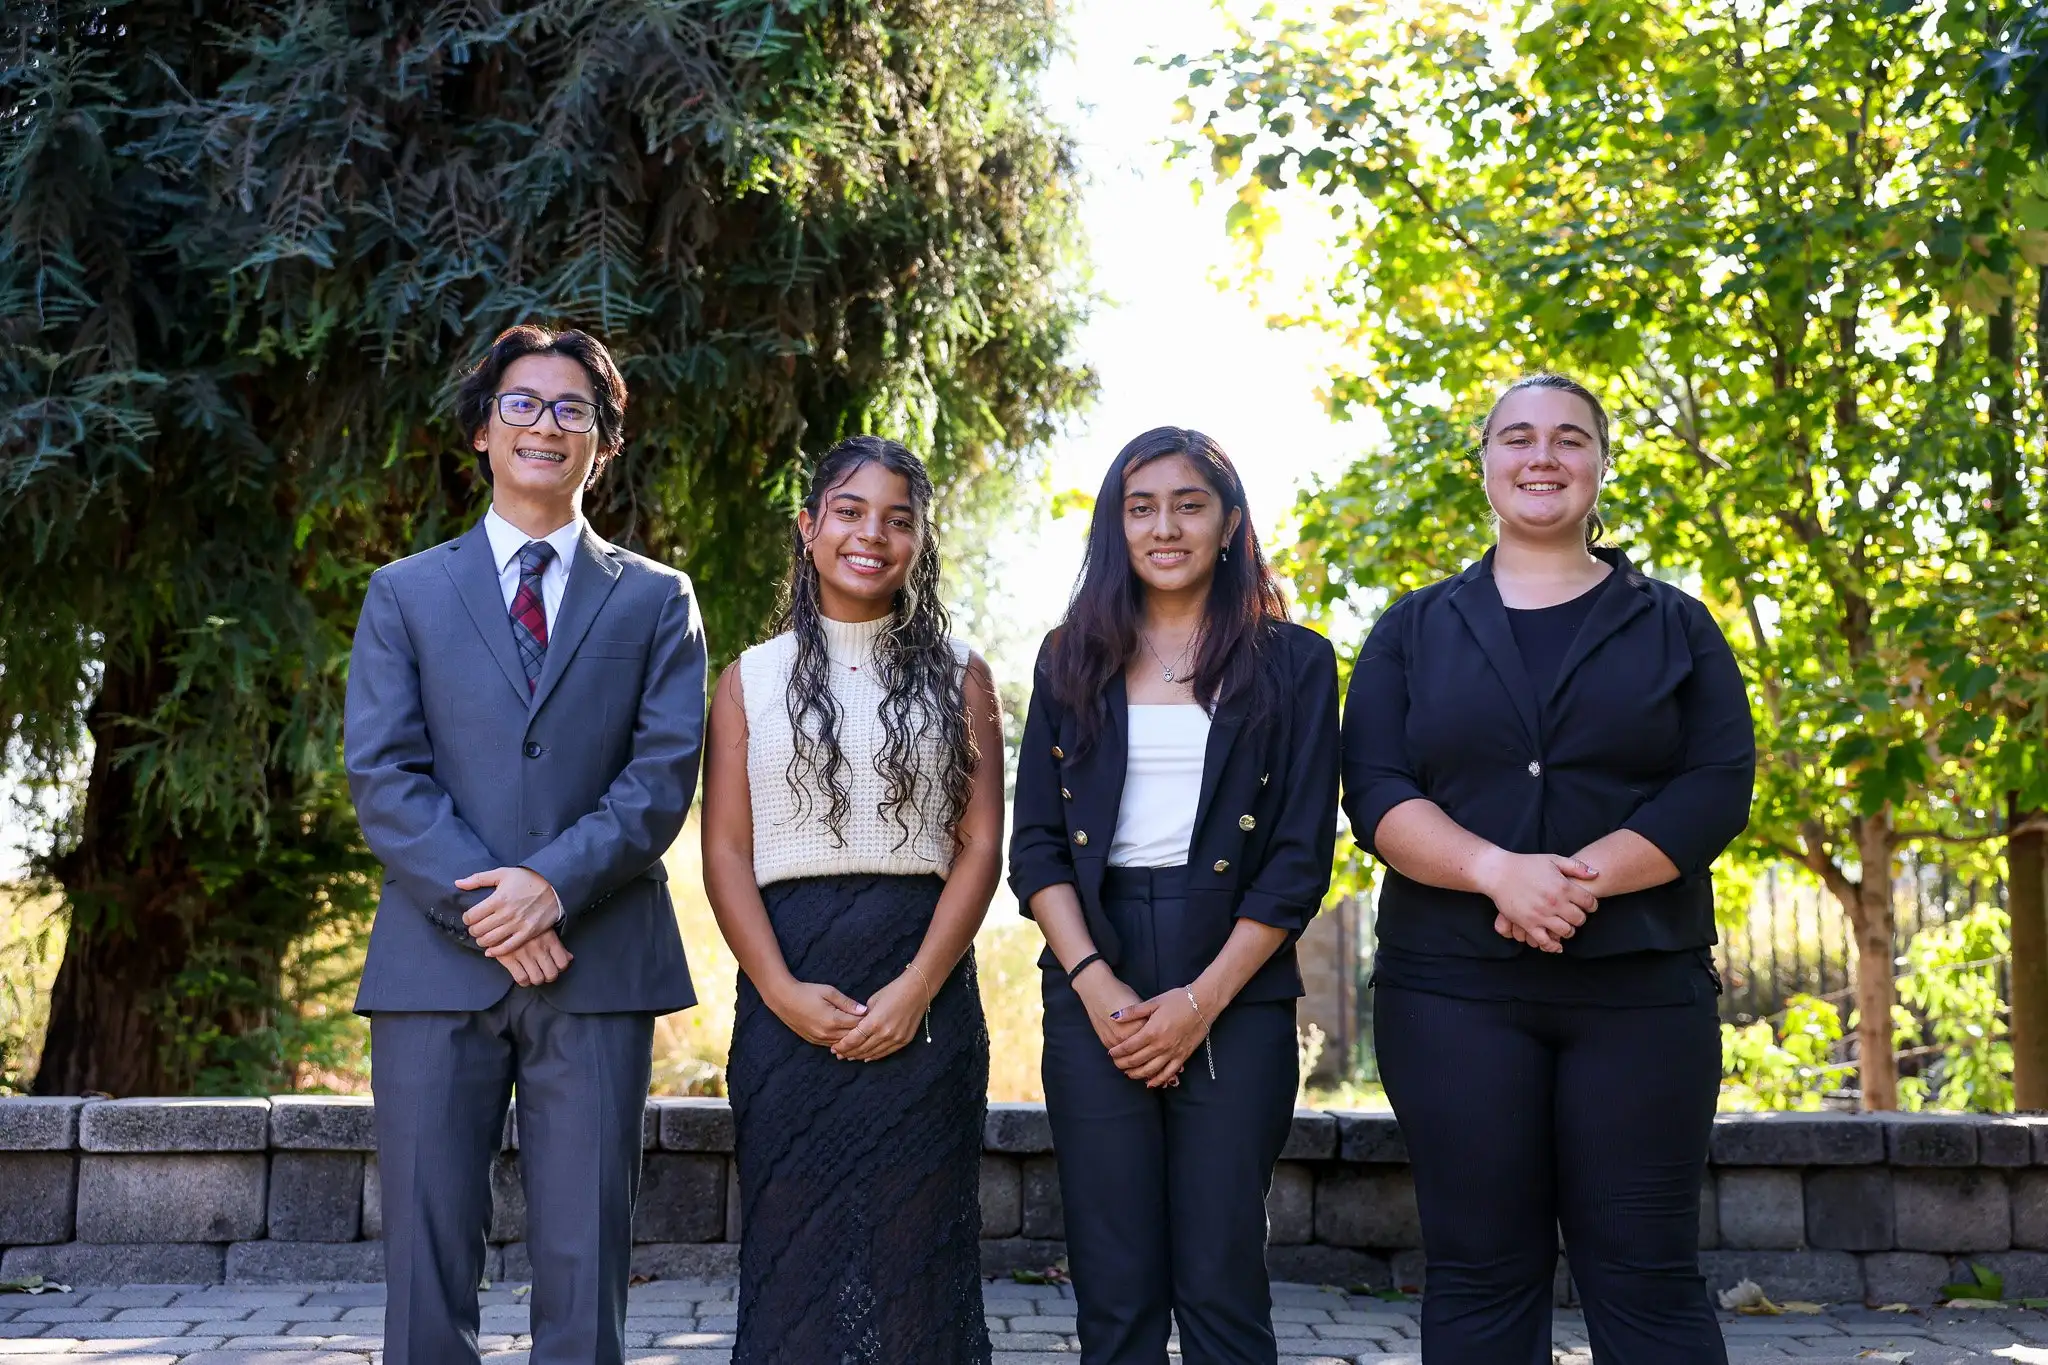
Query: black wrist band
(1083, 965)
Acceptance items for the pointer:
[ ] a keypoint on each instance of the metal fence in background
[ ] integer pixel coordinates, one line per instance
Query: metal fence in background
(1796, 940)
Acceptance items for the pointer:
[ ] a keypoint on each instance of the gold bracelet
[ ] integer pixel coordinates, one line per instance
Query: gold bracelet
(1208, 1044)
(913, 967)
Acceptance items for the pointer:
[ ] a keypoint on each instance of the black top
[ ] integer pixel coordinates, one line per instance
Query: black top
(1265, 819)
(1644, 726)
(1543, 635)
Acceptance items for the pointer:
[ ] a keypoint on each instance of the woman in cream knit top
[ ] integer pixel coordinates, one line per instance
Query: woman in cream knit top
(853, 831)
(789, 838)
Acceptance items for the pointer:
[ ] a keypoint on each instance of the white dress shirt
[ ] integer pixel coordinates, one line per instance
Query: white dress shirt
(508, 540)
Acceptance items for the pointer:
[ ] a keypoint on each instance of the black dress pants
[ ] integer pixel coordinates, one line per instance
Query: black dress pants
(1524, 1119)
(1165, 1190)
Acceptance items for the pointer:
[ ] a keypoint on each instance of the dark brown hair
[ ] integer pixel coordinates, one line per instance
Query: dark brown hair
(1100, 633)
(476, 396)
(1563, 384)
(920, 673)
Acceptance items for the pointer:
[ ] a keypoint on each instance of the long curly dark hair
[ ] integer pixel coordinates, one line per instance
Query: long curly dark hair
(914, 654)
(1100, 633)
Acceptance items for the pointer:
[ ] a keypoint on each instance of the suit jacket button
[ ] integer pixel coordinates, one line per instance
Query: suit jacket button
(1081, 837)
(1066, 795)
(1223, 864)
(1245, 822)
(532, 749)
(1058, 752)
(1535, 768)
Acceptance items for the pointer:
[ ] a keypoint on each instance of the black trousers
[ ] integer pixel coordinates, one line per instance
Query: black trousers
(1165, 1190)
(1522, 1120)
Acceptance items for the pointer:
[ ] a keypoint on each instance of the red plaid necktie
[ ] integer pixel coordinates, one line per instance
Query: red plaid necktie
(529, 612)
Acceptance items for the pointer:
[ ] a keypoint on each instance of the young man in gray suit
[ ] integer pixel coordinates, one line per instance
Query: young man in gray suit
(525, 710)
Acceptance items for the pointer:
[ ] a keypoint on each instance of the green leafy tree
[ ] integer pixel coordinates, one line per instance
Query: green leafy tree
(1753, 228)
(2009, 135)
(243, 257)
(1951, 981)
(1791, 1067)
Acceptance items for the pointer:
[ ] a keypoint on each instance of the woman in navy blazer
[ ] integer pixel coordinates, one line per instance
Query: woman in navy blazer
(1175, 822)
(1547, 752)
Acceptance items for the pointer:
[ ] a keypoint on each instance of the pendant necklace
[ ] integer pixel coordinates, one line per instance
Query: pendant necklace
(1175, 671)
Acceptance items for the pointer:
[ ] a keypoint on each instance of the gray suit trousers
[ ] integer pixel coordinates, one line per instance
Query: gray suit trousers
(442, 1083)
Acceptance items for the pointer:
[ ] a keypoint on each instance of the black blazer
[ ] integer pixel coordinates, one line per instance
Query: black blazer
(1647, 727)
(1265, 822)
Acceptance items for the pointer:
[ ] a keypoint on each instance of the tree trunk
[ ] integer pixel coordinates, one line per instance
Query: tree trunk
(2026, 882)
(129, 1015)
(1870, 912)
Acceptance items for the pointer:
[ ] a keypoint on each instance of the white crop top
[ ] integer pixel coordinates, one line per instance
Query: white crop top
(1155, 823)
(791, 838)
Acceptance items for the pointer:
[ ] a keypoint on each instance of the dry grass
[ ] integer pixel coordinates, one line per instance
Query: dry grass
(31, 946)
(1006, 952)
(690, 1047)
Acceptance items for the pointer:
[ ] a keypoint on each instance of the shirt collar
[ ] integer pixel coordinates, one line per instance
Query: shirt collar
(508, 540)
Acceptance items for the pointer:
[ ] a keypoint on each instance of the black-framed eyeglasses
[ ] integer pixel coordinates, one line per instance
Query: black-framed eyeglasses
(524, 410)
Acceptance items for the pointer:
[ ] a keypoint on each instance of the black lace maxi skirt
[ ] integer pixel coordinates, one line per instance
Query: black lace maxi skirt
(860, 1206)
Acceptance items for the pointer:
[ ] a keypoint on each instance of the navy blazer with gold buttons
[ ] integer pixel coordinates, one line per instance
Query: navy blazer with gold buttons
(1265, 819)
(1646, 727)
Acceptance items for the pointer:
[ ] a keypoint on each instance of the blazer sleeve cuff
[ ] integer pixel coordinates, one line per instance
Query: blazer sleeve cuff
(1267, 908)
(1675, 838)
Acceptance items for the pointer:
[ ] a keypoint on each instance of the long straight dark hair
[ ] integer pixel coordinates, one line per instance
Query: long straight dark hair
(1100, 633)
(920, 673)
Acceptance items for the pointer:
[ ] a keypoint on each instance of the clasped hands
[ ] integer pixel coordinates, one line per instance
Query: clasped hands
(1149, 1040)
(827, 1017)
(515, 924)
(1541, 899)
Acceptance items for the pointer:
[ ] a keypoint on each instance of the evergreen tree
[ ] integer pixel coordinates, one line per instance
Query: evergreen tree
(243, 256)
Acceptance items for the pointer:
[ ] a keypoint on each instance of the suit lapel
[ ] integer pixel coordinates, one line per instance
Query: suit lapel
(1616, 605)
(591, 580)
(1113, 747)
(1223, 728)
(1477, 601)
(474, 571)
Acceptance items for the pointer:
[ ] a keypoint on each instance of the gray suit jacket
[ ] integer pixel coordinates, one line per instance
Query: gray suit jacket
(455, 770)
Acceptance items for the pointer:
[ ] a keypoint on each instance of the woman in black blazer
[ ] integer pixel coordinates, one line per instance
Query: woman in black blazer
(1548, 751)
(1175, 821)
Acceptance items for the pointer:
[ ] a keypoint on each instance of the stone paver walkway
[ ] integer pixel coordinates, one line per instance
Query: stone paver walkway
(691, 1323)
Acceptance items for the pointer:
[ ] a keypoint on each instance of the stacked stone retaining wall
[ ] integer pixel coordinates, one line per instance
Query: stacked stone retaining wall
(1836, 1208)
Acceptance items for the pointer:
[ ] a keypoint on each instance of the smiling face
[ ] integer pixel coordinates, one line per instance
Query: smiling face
(540, 465)
(863, 540)
(1175, 525)
(1544, 463)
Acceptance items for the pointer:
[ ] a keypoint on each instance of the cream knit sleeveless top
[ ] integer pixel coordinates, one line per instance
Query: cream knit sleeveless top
(791, 838)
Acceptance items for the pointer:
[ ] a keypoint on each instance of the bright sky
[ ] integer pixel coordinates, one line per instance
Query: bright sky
(1171, 348)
